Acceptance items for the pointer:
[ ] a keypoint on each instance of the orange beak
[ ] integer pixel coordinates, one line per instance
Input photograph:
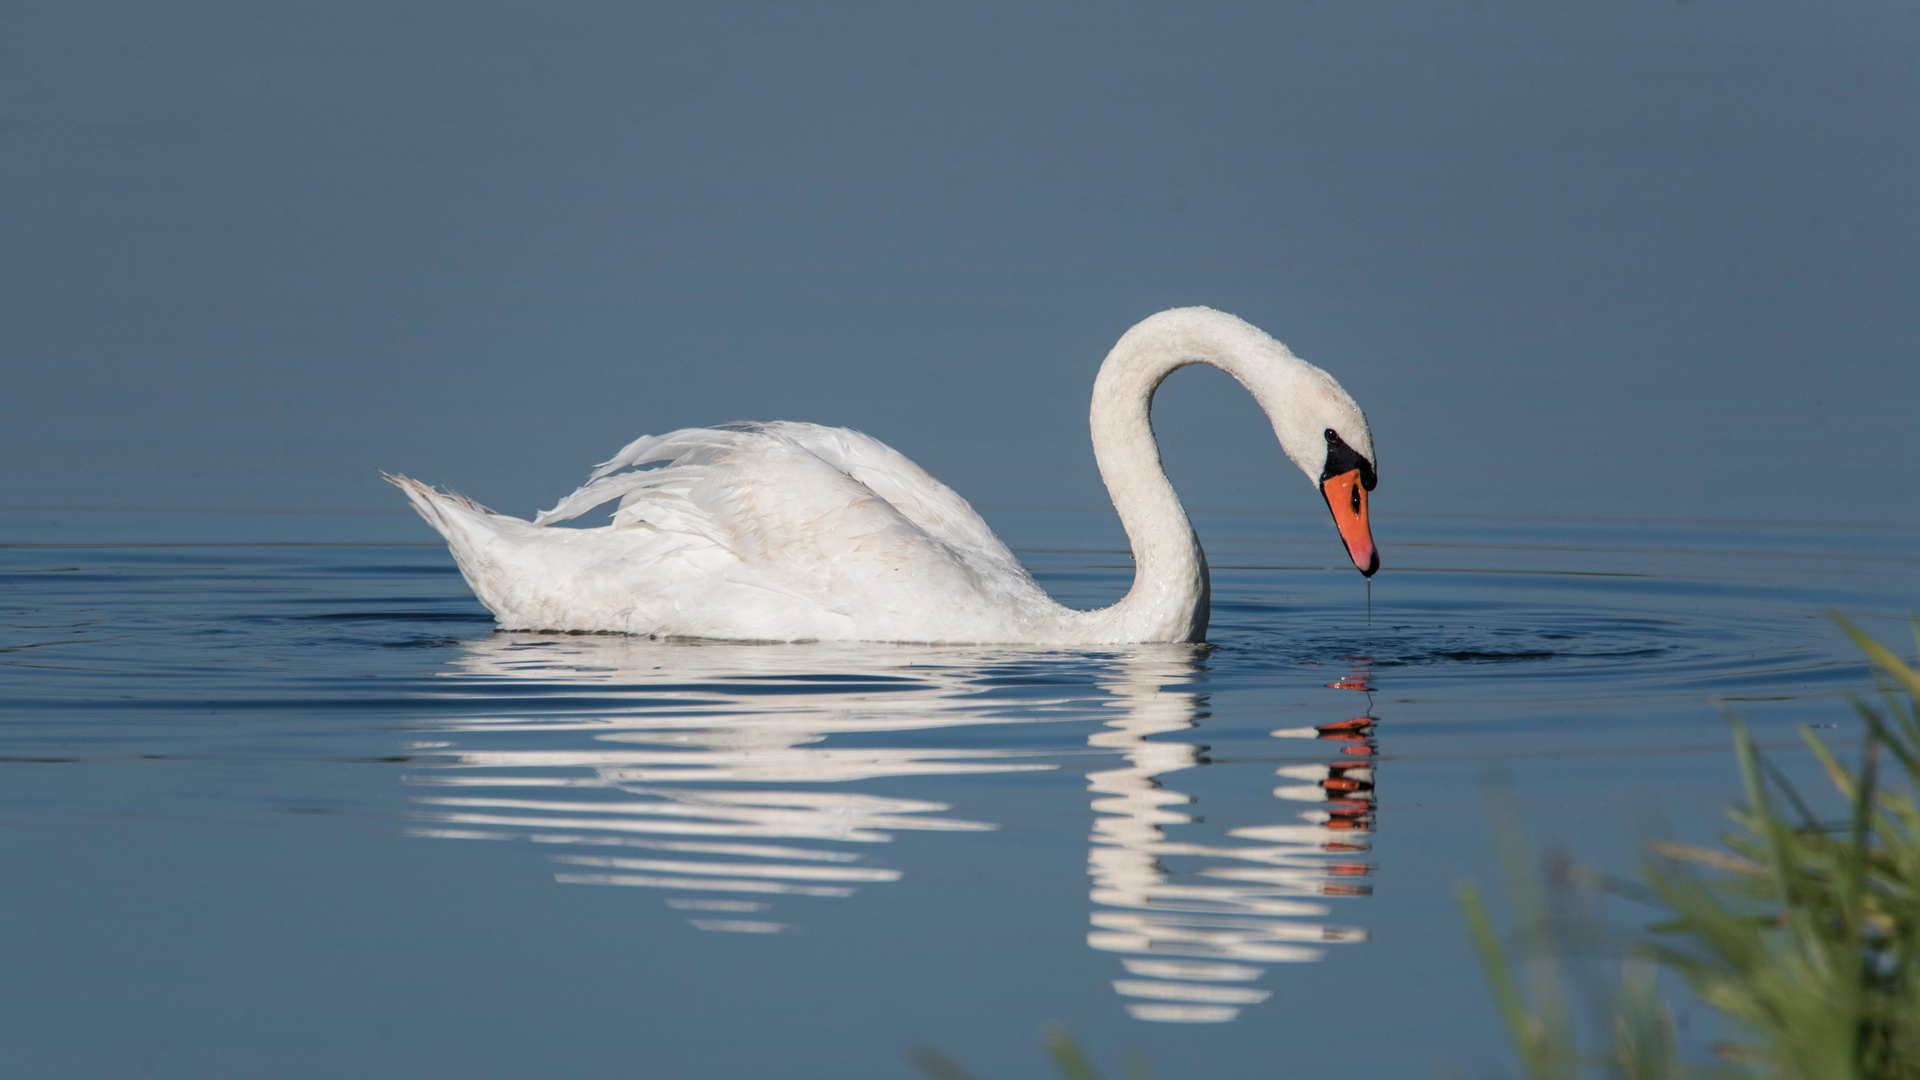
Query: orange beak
(1348, 501)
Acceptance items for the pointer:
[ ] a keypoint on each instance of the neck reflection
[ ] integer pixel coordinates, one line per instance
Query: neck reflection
(1196, 921)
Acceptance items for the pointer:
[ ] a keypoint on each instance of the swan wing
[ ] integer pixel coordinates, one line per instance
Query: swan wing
(749, 531)
(923, 500)
(751, 452)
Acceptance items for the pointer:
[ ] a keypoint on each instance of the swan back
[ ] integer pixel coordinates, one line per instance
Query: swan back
(752, 531)
(783, 448)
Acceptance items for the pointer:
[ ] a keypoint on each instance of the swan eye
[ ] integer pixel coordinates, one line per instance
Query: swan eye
(1332, 435)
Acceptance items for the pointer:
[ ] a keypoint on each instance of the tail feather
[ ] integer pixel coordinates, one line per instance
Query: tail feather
(483, 541)
(452, 514)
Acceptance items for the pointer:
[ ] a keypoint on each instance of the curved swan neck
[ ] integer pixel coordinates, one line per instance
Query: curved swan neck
(1168, 601)
(1169, 598)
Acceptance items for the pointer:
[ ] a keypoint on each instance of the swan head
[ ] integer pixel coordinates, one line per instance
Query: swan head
(1324, 432)
(1319, 425)
(1344, 481)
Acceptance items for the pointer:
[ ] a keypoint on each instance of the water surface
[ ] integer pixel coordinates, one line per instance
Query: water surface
(298, 810)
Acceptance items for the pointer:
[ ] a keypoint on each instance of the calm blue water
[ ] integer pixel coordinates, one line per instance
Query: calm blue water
(1630, 273)
(298, 811)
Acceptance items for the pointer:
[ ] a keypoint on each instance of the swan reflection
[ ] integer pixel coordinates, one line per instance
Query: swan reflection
(703, 773)
(697, 758)
(1191, 939)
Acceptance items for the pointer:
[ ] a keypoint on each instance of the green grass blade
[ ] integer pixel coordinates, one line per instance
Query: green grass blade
(1784, 785)
(1771, 832)
(936, 1064)
(1877, 727)
(1857, 854)
(1506, 992)
(1067, 1055)
(1883, 657)
(1835, 773)
(1644, 1046)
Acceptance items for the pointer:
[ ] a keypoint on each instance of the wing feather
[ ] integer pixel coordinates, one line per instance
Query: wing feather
(720, 531)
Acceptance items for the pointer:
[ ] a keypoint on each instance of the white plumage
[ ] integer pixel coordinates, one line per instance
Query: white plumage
(789, 531)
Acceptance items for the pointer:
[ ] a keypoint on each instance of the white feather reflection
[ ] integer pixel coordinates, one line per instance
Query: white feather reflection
(1242, 904)
(699, 772)
(697, 764)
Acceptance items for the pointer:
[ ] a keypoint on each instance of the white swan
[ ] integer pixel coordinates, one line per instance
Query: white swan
(791, 532)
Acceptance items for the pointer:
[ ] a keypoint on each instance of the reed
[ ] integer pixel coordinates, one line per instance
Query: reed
(1068, 1057)
(1804, 933)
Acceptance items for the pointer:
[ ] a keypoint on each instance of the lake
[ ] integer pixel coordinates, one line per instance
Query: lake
(297, 810)
(1625, 289)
